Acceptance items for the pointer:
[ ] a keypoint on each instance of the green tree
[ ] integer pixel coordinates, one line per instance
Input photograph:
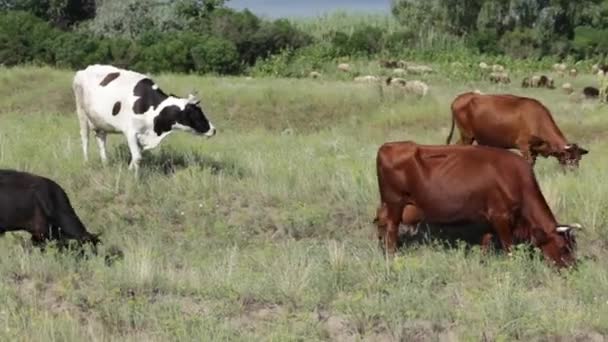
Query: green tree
(61, 13)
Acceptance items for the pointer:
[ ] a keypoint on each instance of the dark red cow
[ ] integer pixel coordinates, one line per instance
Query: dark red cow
(509, 121)
(467, 184)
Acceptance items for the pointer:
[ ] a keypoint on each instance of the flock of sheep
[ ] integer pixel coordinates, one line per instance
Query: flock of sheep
(495, 73)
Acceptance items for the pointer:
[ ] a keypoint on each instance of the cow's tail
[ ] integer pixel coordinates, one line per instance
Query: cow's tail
(60, 212)
(449, 139)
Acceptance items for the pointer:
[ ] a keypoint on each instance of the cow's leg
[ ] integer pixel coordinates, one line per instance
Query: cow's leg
(135, 152)
(502, 226)
(84, 133)
(486, 242)
(393, 219)
(39, 228)
(100, 136)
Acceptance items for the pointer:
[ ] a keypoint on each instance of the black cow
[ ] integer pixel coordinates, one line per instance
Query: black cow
(41, 207)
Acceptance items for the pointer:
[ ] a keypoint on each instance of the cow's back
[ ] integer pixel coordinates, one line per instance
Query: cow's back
(104, 92)
(437, 179)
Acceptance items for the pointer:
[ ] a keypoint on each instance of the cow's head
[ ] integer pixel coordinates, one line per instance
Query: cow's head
(559, 245)
(190, 119)
(571, 155)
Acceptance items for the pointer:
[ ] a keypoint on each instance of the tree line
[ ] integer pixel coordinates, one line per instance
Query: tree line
(206, 36)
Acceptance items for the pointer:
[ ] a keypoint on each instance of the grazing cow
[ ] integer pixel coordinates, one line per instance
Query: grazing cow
(433, 184)
(39, 206)
(567, 88)
(113, 100)
(509, 121)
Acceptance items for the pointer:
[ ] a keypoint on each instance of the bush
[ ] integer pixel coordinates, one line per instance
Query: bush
(170, 52)
(366, 40)
(484, 41)
(77, 50)
(25, 38)
(275, 37)
(589, 41)
(213, 54)
(520, 43)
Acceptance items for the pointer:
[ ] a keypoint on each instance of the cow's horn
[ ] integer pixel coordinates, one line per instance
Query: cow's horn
(192, 98)
(562, 229)
(576, 225)
(567, 147)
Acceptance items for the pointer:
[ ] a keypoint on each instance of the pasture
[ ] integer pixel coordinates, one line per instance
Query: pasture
(264, 231)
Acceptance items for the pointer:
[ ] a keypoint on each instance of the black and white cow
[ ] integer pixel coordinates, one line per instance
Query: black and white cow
(39, 206)
(113, 100)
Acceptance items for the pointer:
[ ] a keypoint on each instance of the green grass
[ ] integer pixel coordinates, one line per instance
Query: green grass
(264, 231)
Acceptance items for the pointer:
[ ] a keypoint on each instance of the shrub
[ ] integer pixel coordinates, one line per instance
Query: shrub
(212, 54)
(366, 40)
(25, 38)
(520, 43)
(484, 41)
(77, 50)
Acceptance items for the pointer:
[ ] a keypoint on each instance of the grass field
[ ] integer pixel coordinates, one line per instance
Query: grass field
(263, 233)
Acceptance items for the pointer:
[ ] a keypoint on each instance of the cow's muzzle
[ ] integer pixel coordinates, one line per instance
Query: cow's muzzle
(211, 132)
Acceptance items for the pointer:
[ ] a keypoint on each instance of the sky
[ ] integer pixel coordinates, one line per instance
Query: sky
(306, 8)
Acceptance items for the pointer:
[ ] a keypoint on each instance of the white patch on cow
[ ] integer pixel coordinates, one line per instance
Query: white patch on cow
(94, 105)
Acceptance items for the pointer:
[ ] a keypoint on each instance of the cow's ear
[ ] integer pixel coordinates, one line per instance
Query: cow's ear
(539, 237)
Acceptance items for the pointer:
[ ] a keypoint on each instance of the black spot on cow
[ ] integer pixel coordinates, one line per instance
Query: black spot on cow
(116, 108)
(148, 96)
(109, 78)
(191, 116)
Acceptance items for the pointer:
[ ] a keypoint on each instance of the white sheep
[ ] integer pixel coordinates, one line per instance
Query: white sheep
(314, 74)
(367, 79)
(344, 67)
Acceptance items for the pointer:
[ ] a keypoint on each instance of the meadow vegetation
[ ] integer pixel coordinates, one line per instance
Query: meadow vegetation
(264, 231)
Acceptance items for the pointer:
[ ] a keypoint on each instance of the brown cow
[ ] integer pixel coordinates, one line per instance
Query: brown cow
(509, 121)
(467, 184)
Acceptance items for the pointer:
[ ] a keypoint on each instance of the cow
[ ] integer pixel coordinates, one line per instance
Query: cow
(509, 121)
(41, 207)
(449, 185)
(114, 100)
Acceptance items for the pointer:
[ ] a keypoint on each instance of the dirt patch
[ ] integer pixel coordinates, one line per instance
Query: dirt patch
(341, 329)
(581, 336)
(423, 331)
(255, 313)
